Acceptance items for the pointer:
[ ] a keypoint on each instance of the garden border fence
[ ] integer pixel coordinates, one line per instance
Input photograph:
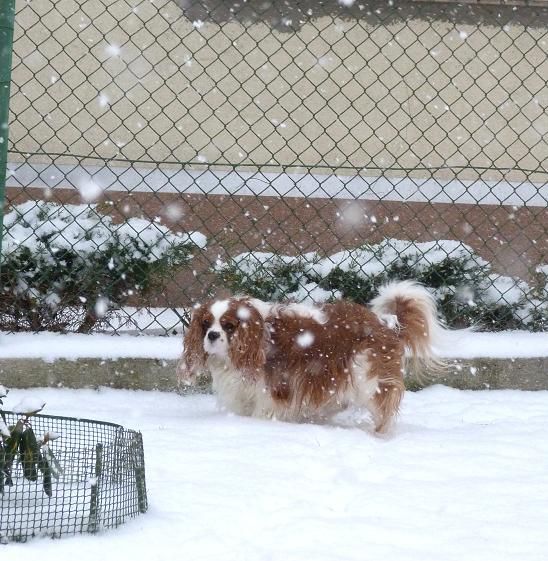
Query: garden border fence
(94, 478)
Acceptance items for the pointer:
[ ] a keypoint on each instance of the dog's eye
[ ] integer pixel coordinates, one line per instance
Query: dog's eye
(206, 324)
(228, 326)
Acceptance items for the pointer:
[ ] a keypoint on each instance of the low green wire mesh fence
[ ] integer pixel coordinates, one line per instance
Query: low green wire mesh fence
(163, 151)
(97, 482)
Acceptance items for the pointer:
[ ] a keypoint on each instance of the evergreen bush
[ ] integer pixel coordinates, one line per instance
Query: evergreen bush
(468, 292)
(68, 267)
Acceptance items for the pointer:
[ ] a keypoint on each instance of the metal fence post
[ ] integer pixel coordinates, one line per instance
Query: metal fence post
(7, 18)
(94, 498)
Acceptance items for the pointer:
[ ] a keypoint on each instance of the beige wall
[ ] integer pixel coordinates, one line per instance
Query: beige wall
(383, 89)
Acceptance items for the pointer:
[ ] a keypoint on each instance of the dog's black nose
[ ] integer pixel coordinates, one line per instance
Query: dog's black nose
(212, 335)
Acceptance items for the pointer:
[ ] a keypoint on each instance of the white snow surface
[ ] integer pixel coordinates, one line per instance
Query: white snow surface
(504, 344)
(52, 346)
(240, 182)
(463, 476)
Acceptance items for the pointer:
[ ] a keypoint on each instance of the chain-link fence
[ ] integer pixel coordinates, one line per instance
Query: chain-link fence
(162, 151)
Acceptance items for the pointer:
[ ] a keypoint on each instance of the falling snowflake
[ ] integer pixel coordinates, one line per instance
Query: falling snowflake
(89, 191)
(101, 306)
(352, 214)
(103, 100)
(173, 211)
(305, 339)
(112, 50)
(243, 313)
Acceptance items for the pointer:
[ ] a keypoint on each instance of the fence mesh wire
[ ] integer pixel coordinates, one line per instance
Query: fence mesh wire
(162, 151)
(101, 485)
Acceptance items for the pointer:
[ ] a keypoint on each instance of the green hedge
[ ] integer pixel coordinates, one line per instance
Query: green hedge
(467, 290)
(69, 267)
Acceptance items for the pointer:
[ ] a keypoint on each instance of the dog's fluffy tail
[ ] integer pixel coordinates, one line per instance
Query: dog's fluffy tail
(409, 308)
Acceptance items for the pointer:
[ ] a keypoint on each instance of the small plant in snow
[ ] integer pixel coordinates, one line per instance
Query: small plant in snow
(18, 442)
(467, 291)
(70, 267)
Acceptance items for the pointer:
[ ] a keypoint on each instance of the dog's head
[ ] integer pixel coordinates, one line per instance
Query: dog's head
(231, 331)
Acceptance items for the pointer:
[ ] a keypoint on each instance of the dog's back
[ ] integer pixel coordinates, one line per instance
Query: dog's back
(314, 364)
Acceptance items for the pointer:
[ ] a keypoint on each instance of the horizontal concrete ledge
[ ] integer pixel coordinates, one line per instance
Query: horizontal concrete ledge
(154, 374)
(490, 373)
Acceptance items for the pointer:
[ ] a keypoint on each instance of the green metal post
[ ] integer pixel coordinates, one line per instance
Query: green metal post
(7, 18)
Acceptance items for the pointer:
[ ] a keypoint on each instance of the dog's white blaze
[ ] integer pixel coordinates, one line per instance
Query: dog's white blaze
(218, 346)
(218, 309)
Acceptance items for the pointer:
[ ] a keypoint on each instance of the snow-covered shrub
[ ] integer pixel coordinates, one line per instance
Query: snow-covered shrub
(18, 443)
(538, 299)
(466, 289)
(70, 267)
(265, 275)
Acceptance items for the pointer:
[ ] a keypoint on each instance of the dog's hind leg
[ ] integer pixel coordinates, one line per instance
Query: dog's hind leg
(385, 404)
(380, 389)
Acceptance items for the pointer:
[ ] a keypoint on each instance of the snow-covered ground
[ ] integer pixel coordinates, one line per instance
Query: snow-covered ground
(52, 346)
(463, 477)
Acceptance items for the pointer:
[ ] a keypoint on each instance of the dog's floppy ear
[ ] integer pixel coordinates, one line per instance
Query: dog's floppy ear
(193, 360)
(247, 349)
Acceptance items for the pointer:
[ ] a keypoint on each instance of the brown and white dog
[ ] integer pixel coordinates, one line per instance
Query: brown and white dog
(296, 362)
